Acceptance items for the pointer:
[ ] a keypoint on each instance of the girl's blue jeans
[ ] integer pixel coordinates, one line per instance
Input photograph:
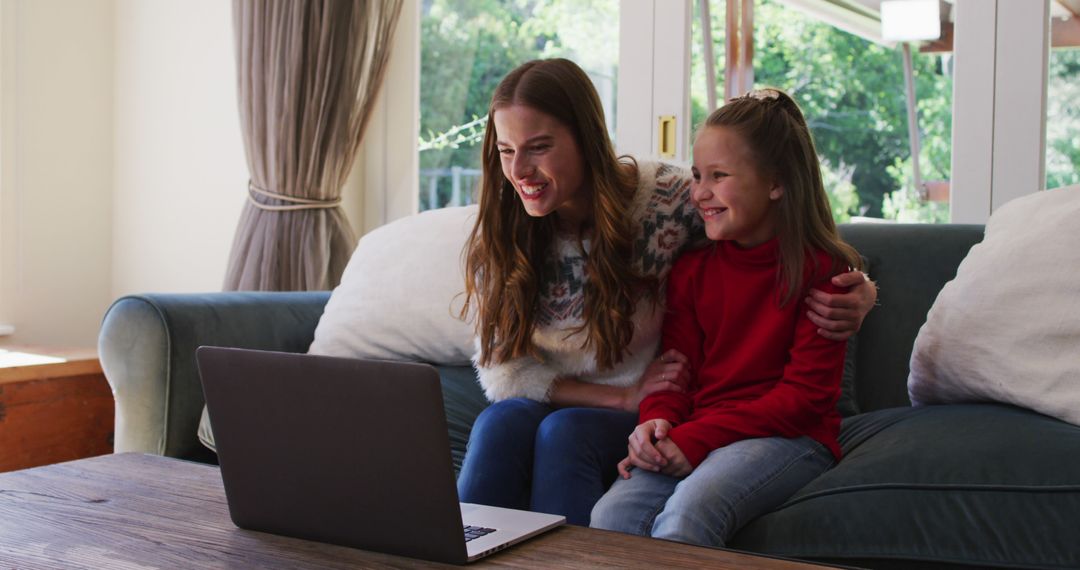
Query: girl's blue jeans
(731, 487)
(526, 455)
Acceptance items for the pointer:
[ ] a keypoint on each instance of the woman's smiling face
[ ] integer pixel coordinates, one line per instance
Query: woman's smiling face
(730, 192)
(541, 159)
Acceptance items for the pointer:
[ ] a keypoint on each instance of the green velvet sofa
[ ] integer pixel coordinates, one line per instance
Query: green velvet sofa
(958, 486)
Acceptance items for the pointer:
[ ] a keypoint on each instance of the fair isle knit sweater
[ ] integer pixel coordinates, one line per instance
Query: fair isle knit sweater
(666, 224)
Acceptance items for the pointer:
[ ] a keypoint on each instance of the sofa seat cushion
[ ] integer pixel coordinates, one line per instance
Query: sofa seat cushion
(978, 484)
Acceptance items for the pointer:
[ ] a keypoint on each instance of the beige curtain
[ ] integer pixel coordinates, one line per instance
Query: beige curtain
(308, 71)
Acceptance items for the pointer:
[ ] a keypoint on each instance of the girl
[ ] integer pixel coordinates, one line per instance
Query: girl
(759, 419)
(565, 269)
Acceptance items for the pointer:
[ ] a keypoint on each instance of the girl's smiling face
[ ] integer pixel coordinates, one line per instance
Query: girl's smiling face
(541, 159)
(730, 192)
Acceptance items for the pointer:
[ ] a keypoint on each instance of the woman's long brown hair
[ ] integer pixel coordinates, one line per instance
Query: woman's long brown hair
(771, 124)
(507, 249)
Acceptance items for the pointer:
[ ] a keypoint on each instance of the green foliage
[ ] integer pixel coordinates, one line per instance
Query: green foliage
(1063, 119)
(843, 199)
(904, 204)
(852, 93)
(468, 135)
(468, 46)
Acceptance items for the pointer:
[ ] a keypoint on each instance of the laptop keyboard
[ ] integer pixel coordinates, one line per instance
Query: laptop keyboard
(472, 532)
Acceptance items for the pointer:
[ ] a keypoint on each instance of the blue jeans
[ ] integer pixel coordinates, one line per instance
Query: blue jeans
(531, 456)
(731, 487)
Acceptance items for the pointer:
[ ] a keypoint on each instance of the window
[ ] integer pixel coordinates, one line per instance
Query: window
(1063, 117)
(467, 46)
(852, 91)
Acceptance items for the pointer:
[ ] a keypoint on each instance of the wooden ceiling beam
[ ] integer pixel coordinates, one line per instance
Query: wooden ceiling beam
(1063, 34)
(942, 44)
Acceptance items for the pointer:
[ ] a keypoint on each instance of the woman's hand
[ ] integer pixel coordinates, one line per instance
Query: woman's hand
(671, 371)
(840, 315)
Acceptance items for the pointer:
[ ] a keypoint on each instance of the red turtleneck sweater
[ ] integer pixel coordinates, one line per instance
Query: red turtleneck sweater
(757, 370)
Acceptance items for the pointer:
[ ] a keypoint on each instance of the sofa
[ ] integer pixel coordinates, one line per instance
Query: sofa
(972, 485)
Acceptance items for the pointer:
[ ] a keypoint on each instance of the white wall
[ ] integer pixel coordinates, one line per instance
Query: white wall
(57, 169)
(180, 171)
(123, 166)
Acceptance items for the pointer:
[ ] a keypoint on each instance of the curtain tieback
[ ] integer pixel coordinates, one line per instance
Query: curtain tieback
(295, 203)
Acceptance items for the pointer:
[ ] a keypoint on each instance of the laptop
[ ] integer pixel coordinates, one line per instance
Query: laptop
(348, 452)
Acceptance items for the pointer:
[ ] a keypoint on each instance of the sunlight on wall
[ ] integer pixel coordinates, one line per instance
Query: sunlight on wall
(57, 169)
(180, 171)
(123, 167)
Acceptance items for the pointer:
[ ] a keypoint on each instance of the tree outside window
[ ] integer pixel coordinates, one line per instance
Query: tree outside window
(852, 93)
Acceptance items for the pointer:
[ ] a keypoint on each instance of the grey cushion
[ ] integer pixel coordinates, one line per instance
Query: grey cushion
(848, 404)
(981, 484)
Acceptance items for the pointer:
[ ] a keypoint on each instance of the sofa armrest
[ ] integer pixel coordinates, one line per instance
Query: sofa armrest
(147, 350)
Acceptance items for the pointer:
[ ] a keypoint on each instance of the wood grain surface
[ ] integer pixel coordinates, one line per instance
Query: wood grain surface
(141, 511)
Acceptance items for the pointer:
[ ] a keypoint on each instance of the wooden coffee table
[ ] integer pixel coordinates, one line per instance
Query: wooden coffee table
(137, 511)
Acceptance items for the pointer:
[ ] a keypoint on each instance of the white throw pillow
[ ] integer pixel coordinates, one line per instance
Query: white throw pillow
(1007, 328)
(401, 293)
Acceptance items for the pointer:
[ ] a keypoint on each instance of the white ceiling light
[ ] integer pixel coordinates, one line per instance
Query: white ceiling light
(910, 20)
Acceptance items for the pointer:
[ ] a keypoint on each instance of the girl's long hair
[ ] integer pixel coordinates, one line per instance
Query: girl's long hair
(505, 257)
(772, 125)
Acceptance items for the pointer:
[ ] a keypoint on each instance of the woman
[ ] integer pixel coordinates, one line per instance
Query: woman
(567, 263)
